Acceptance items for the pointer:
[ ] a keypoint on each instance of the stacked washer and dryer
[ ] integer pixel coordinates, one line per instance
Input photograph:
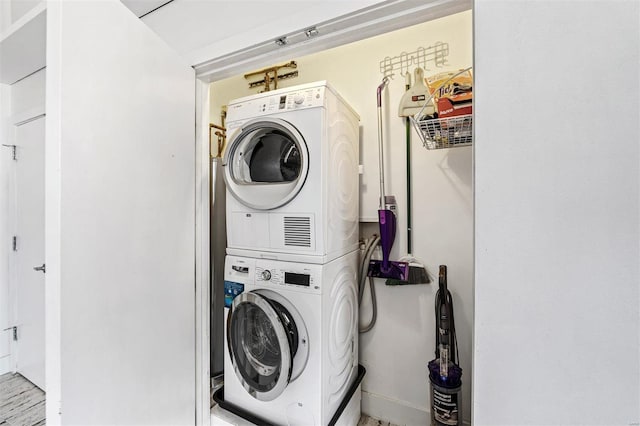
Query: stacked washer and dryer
(291, 303)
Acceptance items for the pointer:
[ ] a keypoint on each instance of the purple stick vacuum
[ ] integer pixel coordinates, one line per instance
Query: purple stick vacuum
(386, 268)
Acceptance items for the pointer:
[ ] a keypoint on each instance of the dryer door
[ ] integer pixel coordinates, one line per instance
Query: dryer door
(266, 163)
(262, 338)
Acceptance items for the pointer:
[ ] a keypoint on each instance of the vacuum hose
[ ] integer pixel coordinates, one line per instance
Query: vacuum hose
(369, 247)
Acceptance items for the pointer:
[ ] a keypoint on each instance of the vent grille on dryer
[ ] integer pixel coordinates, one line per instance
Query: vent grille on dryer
(297, 231)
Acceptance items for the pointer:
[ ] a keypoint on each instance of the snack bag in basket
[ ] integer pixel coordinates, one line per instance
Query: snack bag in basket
(452, 96)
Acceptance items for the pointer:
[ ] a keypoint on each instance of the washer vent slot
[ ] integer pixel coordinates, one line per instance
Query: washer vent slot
(297, 231)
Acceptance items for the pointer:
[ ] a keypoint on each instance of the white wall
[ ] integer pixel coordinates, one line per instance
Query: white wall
(19, 101)
(557, 213)
(120, 241)
(10, 11)
(397, 351)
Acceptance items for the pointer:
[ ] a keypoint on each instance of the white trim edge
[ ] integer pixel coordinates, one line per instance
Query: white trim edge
(202, 266)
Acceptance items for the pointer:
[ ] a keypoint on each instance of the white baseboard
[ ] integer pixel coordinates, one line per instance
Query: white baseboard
(395, 411)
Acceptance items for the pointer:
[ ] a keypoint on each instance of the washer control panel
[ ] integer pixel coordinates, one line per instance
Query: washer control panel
(288, 274)
(246, 271)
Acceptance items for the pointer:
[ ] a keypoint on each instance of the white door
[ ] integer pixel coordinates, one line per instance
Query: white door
(28, 284)
(120, 227)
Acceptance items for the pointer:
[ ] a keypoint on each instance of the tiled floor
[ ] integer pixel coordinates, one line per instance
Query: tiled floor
(21, 402)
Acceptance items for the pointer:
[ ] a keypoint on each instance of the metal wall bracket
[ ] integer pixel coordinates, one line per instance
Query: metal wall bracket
(13, 148)
(271, 75)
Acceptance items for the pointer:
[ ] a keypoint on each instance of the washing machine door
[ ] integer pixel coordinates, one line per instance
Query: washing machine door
(266, 163)
(262, 339)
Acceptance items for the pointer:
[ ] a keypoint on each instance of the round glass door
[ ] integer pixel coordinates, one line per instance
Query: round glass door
(263, 340)
(266, 163)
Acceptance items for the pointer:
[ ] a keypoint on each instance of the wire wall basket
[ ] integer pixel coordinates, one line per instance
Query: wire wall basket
(450, 132)
(443, 132)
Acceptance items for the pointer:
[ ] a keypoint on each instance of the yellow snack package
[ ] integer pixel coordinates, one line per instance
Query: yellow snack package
(457, 89)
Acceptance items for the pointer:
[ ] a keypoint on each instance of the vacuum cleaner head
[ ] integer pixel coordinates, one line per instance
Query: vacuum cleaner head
(393, 270)
(386, 268)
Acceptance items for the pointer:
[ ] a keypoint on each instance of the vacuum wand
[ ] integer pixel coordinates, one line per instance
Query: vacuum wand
(380, 148)
(386, 214)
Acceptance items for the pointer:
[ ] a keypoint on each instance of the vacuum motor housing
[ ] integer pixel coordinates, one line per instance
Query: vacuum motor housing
(445, 374)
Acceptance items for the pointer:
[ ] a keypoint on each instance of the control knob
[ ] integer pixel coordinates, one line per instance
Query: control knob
(298, 99)
(266, 275)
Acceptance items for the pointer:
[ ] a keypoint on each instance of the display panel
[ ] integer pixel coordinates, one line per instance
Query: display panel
(297, 279)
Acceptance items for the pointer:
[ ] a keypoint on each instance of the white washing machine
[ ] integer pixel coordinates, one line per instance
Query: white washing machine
(291, 169)
(291, 333)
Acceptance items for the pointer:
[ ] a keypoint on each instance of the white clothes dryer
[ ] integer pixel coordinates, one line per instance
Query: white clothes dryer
(291, 169)
(291, 332)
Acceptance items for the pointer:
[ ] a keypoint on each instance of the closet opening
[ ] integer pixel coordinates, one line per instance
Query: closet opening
(436, 229)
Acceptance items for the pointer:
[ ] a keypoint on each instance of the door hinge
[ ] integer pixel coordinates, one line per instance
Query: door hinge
(14, 332)
(13, 149)
(14, 243)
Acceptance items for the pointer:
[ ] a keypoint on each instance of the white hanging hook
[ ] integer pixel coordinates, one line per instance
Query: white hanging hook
(421, 58)
(441, 51)
(387, 66)
(405, 62)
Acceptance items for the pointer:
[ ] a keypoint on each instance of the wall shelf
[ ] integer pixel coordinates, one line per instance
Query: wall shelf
(23, 45)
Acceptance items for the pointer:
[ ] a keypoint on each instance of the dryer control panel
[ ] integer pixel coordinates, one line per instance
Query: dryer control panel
(282, 100)
(313, 97)
(307, 98)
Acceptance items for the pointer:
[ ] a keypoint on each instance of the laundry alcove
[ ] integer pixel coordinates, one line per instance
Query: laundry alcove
(443, 214)
(126, 274)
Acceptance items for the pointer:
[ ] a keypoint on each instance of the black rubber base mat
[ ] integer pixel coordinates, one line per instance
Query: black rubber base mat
(218, 397)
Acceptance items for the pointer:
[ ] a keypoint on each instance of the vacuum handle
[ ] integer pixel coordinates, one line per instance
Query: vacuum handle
(442, 280)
